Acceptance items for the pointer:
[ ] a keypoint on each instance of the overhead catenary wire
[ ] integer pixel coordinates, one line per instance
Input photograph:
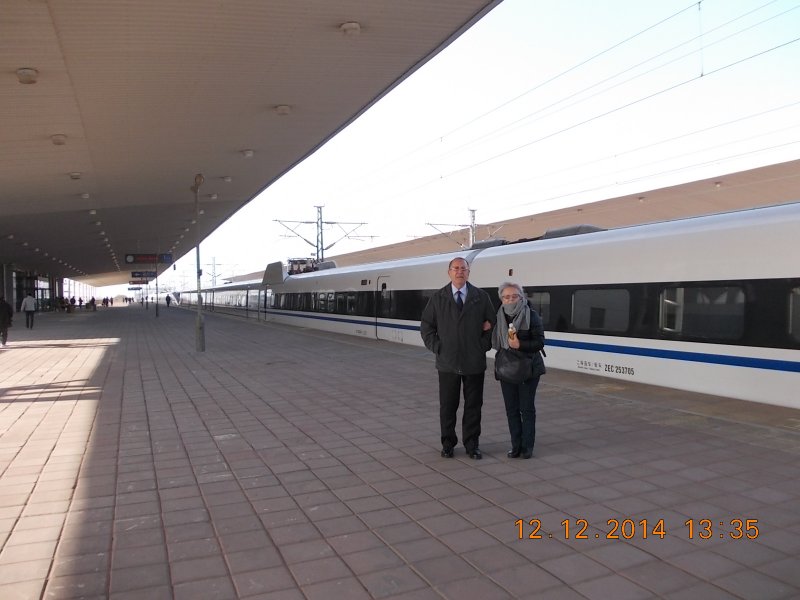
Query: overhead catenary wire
(403, 191)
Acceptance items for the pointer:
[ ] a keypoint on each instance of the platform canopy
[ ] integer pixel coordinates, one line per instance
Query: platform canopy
(110, 108)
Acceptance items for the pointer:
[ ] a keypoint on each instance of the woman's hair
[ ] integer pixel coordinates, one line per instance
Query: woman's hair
(510, 284)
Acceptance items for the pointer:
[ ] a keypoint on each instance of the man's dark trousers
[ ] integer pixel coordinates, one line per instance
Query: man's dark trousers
(449, 399)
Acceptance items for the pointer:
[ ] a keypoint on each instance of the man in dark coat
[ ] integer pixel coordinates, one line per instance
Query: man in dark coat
(6, 315)
(456, 326)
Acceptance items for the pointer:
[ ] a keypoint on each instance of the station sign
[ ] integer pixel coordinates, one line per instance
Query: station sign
(134, 288)
(143, 274)
(138, 282)
(148, 259)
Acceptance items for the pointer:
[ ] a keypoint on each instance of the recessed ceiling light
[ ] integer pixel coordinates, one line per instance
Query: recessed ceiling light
(58, 139)
(75, 175)
(283, 110)
(227, 179)
(351, 28)
(27, 75)
(247, 153)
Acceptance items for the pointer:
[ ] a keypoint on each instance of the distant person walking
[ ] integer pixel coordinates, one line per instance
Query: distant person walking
(28, 306)
(168, 300)
(6, 315)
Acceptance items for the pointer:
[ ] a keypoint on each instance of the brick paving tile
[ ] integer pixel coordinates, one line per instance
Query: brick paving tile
(392, 581)
(346, 587)
(476, 588)
(74, 565)
(373, 559)
(162, 592)
(76, 586)
(574, 568)
(263, 580)
(441, 570)
(134, 578)
(612, 586)
(253, 560)
(218, 588)
(23, 590)
(754, 585)
(315, 571)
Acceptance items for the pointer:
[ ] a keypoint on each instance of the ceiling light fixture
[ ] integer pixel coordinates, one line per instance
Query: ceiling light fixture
(212, 196)
(248, 153)
(92, 212)
(351, 28)
(283, 110)
(75, 175)
(227, 179)
(58, 139)
(85, 195)
(27, 75)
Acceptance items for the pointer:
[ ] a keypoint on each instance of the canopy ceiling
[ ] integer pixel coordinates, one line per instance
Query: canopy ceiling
(132, 98)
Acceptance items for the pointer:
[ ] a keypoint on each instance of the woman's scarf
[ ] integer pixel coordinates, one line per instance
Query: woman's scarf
(520, 315)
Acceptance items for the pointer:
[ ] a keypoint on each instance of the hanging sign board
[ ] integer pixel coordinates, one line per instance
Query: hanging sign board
(148, 259)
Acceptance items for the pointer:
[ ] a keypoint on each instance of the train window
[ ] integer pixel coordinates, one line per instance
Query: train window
(341, 303)
(540, 301)
(706, 312)
(351, 303)
(794, 314)
(385, 299)
(331, 302)
(321, 303)
(601, 310)
(366, 304)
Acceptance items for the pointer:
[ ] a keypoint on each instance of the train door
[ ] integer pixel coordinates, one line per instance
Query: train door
(385, 311)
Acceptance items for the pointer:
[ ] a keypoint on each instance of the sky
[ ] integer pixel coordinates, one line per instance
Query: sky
(539, 106)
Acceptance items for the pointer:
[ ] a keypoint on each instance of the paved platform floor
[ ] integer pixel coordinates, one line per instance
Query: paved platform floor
(285, 463)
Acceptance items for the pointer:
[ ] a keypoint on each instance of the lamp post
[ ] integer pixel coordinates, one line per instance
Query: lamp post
(199, 328)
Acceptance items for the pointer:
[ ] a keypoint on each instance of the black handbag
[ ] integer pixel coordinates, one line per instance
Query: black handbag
(512, 366)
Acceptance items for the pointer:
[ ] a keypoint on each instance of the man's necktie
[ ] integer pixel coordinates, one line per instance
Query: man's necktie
(459, 300)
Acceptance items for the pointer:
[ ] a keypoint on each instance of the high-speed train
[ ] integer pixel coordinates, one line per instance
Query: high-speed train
(707, 304)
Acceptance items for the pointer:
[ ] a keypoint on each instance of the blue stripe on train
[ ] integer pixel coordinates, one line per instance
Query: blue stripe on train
(701, 357)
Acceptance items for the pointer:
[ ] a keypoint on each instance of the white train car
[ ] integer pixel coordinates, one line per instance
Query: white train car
(378, 300)
(708, 304)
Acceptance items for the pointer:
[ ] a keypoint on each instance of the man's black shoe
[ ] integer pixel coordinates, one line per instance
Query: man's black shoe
(447, 453)
(513, 453)
(475, 454)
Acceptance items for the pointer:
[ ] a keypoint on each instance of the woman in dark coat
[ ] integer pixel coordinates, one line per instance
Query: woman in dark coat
(519, 327)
